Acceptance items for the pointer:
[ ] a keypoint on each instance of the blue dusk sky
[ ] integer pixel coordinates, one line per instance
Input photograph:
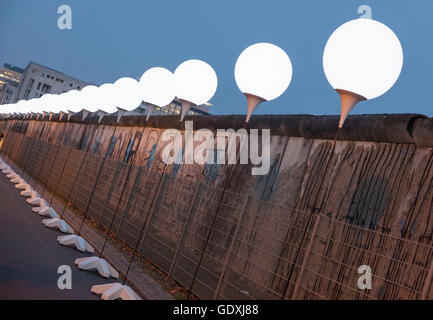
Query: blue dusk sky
(113, 39)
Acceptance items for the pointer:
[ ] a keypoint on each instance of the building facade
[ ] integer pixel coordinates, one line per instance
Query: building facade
(10, 79)
(38, 80)
(175, 108)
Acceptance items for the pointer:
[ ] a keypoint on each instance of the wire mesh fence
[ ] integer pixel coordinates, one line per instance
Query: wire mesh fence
(242, 248)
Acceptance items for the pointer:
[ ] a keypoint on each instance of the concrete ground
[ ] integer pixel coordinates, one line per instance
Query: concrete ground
(30, 254)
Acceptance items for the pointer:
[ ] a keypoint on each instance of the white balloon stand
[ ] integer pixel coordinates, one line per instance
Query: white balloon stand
(149, 109)
(7, 171)
(75, 241)
(42, 205)
(22, 186)
(26, 191)
(29, 192)
(36, 200)
(17, 180)
(186, 106)
(114, 291)
(59, 224)
(3, 166)
(99, 264)
(48, 212)
(12, 176)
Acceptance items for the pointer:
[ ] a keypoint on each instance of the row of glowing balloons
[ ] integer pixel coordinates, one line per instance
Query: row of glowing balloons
(156, 88)
(362, 60)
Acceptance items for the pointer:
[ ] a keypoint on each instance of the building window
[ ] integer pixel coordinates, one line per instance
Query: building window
(26, 94)
(31, 82)
(39, 85)
(61, 81)
(70, 84)
(46, 88)
(78, 88)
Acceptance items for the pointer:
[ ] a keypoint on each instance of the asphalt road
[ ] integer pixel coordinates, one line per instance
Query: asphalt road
(30, 255)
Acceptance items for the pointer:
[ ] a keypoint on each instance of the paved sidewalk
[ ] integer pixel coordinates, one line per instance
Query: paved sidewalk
(30, 254)
(138, 279)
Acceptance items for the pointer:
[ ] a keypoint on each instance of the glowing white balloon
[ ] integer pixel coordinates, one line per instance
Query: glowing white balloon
(263, 72)
(63, 102)
(45, 102)
(74, 101)
(52, 103)
(157, 88)
(195, 83)
(31, 105)
(127, 94)
(11, 108)
(105, 98)
(24, 107)
(4, 109)
(362, 60)
(19, 106)
(89, 98)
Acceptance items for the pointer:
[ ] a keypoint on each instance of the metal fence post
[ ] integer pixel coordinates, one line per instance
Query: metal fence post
(151, 210)
(182, 236)
(306, 256)
(428, 282)
(230, 249)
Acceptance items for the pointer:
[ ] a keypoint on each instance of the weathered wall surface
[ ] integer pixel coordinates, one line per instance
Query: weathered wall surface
(301, 231)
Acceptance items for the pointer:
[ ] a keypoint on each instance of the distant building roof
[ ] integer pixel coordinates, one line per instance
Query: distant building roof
(41, 65)
(32, 62)
(13, 68)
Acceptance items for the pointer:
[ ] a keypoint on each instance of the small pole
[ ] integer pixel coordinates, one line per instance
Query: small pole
(78, 172)
(216, 213)
(110, 191)
(144, 226)
(94, 186)
(306, 256)
(32, 147)
(121, 194)
(151, 211)
(136, 180)
(61, 173)
(182, 236)
(230, 249)
(427, 283)
(18, 152)
(52, 166)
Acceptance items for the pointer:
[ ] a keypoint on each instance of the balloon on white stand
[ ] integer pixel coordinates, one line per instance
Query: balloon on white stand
(195, 83)
(127, 95)
(263, 72)
(156, 88)
(362, 60)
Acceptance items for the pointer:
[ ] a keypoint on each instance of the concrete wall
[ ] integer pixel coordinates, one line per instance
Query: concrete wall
(304, 228)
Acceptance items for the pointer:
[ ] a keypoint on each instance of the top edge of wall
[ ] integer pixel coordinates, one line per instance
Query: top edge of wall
(389, 128)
